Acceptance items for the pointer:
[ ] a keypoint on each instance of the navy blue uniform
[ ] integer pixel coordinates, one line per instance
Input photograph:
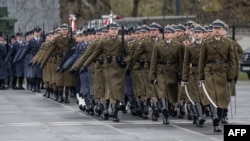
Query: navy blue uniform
(3, 67)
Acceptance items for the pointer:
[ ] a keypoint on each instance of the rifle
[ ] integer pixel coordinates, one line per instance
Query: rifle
(43, 34)
(122, 61)
(233, 30)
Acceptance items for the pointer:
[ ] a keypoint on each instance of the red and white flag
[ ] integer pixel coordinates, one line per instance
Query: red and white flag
(108, 20)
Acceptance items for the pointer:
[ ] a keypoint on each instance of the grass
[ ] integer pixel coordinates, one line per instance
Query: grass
(243, 76)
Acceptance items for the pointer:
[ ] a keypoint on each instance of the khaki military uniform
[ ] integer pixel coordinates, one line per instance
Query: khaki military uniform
(238, 55)
(137, 72)
(190, 73)
(97, 74)
(59, 49)
(217, 65)
(114, 73)
(146, 48)
(166, 67)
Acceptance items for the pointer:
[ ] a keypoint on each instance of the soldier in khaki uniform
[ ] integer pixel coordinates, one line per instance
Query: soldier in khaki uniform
(97, 77)
(59, 49)
(146, 48)
(238, 51)
(190, 75)
(165, 71)
(217, 69)
(115, 57)
(139, 107)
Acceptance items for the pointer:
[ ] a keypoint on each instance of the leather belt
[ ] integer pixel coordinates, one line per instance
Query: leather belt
(167, 63)
(217, 61)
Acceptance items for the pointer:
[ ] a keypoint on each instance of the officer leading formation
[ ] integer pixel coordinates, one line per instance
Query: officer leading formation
(150, 71)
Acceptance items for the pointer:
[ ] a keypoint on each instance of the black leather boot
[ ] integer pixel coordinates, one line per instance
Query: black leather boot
(145, 110)
(155, 113)
(13, 83)
(34, 85)
(66, 99)
(105, 113)
(49, 92)
(181, 109)
(115, 110)
(38, 83)
(216, 124)
(60, 96)
(20, 83)
(91, 106)
(164, 108)
(200, 120)
(98, 108)
(122, 106)
(46, 92)
(216, 113)
(56, 95)
(224, 119)
(189, 111)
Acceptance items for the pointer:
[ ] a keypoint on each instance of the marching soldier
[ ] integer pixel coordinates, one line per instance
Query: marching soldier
(165, 71)
(46, 69)
(27, 72)
(238, 51)
(146, 48)
(59, 50)
(97, 81)
(140, 106)
(115, 57)
(190, 76)
(185, 40)
(217, 69)
(50, 63)
(19, 64)
(9, 60)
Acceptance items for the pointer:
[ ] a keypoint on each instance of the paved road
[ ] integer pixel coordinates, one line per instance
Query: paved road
(27, 116)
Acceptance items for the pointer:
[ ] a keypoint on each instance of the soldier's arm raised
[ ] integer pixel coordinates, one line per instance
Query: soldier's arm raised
(96, 53)
(48, 54)
(77, 65)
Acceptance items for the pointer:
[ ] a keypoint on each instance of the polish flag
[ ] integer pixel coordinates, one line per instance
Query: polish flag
(108, 20)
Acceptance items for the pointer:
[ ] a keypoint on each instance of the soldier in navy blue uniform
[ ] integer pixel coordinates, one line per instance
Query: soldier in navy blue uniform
(3, 68)
(13, 47)
(19, 64)
(27, 72)
(33, 46)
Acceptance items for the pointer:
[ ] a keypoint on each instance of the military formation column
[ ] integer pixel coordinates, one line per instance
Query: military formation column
(187, 70)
